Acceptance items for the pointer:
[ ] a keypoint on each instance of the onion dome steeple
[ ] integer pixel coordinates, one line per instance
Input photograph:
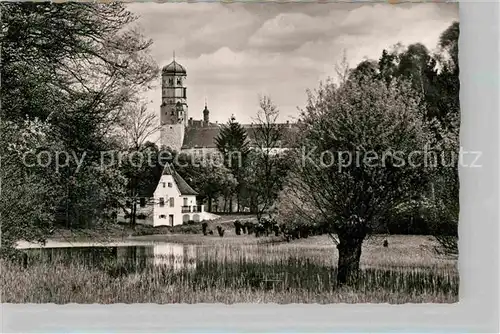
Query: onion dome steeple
(174, 68)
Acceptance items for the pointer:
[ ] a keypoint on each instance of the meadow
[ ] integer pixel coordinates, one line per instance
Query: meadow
(245, 269)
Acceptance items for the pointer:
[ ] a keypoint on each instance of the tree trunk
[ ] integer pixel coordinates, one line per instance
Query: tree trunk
(134, 213)
(210, 204)
(349, 255)
(238, 203)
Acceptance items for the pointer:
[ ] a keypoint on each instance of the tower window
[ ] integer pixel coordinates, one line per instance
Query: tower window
(170, 81)
(179, 81)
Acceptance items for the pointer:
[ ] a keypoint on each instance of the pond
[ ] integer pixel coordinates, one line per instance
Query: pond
(174, 256)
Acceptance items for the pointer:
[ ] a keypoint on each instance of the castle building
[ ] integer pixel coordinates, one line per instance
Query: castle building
(185, 134)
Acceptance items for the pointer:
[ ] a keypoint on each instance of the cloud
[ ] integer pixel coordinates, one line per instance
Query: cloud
(286, 32)
(234, 52)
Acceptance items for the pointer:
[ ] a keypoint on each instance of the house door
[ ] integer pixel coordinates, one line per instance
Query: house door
(171, 220)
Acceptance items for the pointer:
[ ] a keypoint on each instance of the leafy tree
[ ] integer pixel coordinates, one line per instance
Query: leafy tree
(448, 44)
(27, 199)
(73, 67)
(55, 56)
(211, 180)
(365, 68)
(439, 204)
(232, 143)
(366, 128)
(387, 65)
(437, 75)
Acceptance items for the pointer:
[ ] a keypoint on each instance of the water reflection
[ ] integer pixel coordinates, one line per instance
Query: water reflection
(175, 256)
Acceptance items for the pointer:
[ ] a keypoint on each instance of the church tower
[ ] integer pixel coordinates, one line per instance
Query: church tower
(174, 108)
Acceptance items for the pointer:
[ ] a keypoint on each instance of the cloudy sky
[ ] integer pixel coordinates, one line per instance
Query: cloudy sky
(235, 52)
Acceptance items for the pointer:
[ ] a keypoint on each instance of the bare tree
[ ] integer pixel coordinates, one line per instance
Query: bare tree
(267, 173)
(342, 68)
(138, 125)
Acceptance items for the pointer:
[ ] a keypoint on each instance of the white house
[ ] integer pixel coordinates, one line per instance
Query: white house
(175, 201)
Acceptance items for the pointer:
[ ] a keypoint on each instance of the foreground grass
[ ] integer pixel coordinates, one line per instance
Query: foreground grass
(223, 271)
(286, 282)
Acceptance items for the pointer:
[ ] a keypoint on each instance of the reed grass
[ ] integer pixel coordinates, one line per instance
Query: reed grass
(297, 272)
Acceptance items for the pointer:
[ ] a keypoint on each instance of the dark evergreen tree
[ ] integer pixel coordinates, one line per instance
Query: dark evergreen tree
(232, 142)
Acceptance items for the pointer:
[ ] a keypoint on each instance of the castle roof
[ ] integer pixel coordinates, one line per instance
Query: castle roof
(183, 186)
(201, 137)
(174, 68)
(204, 137)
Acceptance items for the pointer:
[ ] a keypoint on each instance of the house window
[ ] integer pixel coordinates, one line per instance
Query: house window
(162, 201)
(163, 184)
(185, 201)
(142, 202)
(163, 216)
(171, 202)
(170, 184)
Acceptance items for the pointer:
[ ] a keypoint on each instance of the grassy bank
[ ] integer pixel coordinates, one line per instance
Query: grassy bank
(226, 271)
(122, 230)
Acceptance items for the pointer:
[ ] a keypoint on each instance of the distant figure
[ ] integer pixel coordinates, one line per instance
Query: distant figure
(25, 260)
(386, 243)
(204, 228)
(220, 230)
(237, 227)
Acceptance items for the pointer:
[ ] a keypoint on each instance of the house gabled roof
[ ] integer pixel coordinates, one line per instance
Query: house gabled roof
(182, 185)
